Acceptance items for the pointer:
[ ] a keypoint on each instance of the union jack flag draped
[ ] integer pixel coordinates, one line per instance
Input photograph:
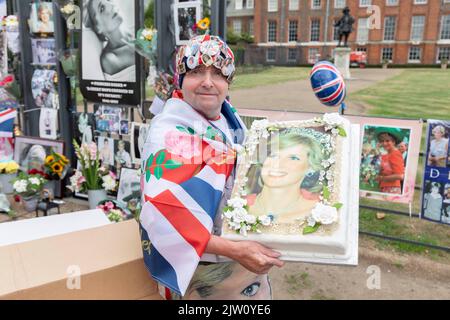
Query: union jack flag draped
(7, 117)
(186, 162)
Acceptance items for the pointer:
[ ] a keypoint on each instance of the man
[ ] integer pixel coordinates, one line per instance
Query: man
(189, 163)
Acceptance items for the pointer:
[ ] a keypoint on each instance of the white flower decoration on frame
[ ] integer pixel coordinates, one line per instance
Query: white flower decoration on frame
(320, 135)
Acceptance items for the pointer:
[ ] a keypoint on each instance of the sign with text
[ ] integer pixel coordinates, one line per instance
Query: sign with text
(110, 67)
(436, 185)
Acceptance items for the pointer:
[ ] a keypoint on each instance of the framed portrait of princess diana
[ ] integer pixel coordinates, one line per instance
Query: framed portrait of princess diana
(296, 190)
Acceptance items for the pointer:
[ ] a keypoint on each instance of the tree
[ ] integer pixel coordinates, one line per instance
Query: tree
(149, 15)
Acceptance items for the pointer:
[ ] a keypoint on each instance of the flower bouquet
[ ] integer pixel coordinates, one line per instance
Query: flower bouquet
(10, 84)
(8, 171)
(56, 166)
(146, 43)
(69, 61)
(92, 177)
(71, 13)
(114, 211)
(28, 187)
(11, 25)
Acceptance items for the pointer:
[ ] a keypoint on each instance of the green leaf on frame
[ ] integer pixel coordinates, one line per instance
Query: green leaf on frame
(160, 158)
(326, 193)
(309, 230)
(159, 172)
(148, 175)
(172, 164)
(190, 130)
(338, 205)
(342, 132)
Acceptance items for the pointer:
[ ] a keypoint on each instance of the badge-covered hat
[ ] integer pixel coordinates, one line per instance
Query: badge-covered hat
(205, 50)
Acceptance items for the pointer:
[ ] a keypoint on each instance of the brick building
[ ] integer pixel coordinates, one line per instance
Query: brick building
(302, 31)
(240, 16)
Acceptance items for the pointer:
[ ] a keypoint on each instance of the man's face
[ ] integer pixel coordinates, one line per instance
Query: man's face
(205, 89)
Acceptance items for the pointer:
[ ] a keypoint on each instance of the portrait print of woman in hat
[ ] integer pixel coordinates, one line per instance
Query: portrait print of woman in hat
(382, 163)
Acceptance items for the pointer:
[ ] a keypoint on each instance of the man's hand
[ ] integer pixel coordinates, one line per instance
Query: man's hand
(255, 257)
(250, 254)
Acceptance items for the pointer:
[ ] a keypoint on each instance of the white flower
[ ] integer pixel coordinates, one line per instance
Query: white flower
(35, 181)
(250, 219)
(237, 202)
(311, 221)
(325, 214)
(243, 232)
(228, 214)
(333, 119)
(109, 183)
(265, 220)
(20, 186)
(239, 215)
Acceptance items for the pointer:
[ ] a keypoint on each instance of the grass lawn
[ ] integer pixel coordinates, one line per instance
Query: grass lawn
(415, 93)
(245, 79)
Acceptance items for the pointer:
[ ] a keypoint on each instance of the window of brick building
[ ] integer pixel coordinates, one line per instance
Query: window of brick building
(391, 2)
(315, 30)
(415, 54)
(444, 53)
(420, 1)
(238, 5)
(362, 34)
(445, 27)
(365, 3)
(336, 32)
(313, 55)
(417, 27)
(251, 27)
(316, 4)
(272, 5)
(293, 30)
(339, 4)
(272, 31)
(389, 28)
(250, 4)
(387, 54)
(293, 5)
(292, 54)
(237, 26)
(361, 49)
(271, 54)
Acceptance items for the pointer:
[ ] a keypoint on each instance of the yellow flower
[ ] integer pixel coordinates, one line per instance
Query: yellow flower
(64, 159)
(11, 167)
(57, 168)
(204, 24)
(147, 34)
(49, 159)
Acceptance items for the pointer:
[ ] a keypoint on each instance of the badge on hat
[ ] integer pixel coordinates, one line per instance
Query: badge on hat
(192, 62)
(181, 68)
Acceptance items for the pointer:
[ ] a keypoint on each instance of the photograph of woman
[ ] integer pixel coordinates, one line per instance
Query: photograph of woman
(108, 29)
(433, 200)
(392, 165)
(42, 17)
(290, 172)
(227, 281)
(438, 147)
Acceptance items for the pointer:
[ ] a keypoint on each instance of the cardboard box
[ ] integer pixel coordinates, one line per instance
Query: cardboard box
(99, 263)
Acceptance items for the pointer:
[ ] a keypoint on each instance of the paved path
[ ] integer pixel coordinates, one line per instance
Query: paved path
(298, 95)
